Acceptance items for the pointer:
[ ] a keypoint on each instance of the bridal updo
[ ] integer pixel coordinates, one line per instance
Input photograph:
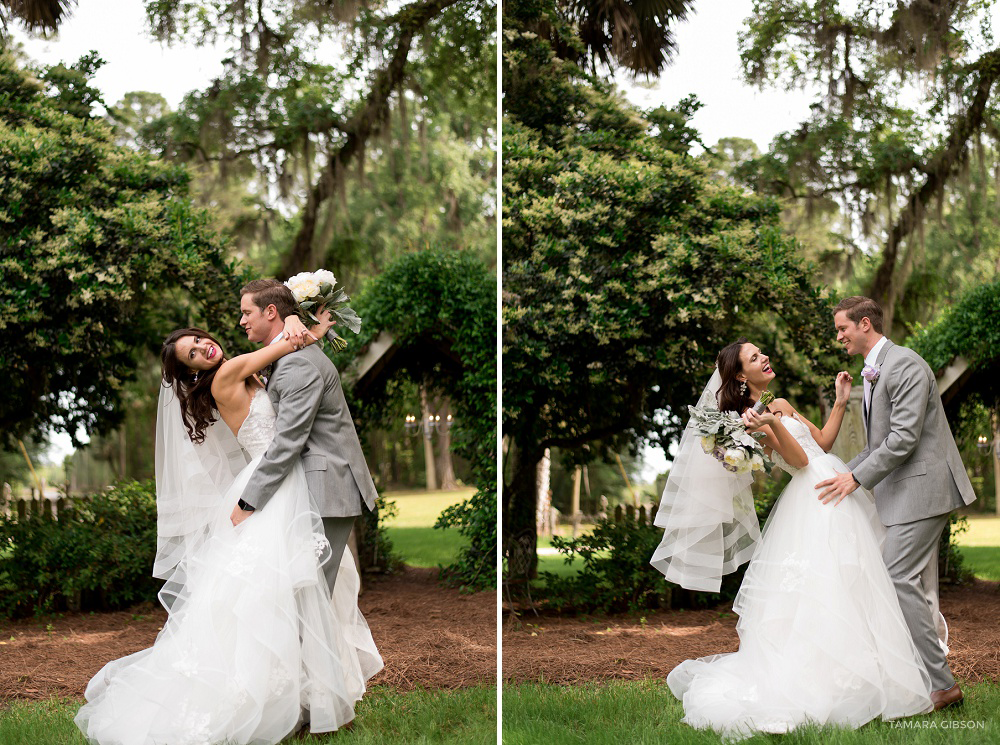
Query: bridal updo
(193, 388)
(730, 397)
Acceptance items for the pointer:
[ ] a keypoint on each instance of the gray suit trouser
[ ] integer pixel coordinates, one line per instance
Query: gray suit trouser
(338, 532)
(907, 550)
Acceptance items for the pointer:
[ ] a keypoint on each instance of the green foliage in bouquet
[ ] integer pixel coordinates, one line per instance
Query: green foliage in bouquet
(99, 554)
(724, 436)
(315, 290)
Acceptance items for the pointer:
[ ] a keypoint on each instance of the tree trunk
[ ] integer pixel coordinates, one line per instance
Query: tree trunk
(574, 509)
(543, 513)
(445, 467)
(520, 535)
(429, 466)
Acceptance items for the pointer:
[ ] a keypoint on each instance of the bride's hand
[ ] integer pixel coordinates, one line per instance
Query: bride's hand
(296, 332)
(843, 386)
(755, 421)
(326, 323)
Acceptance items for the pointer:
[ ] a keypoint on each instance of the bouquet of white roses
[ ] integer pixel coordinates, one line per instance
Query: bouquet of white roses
(315, 289)
(724, 436)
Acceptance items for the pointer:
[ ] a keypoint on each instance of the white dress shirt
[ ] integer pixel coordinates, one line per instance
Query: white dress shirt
(870, 359)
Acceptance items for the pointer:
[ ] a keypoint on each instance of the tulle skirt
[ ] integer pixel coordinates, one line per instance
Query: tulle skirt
(822, 637)
(253, 644)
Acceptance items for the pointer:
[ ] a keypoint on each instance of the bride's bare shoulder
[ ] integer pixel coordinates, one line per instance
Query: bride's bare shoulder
(781, 406)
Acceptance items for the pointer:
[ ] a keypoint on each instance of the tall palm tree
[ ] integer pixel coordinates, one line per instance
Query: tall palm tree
(634, 34)
(37, 15)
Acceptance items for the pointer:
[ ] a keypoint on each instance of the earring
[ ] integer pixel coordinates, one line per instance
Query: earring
(743, 388)
(195, 378)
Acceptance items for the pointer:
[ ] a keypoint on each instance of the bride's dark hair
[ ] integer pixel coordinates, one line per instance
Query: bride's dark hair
(194, 395)
(730, 397)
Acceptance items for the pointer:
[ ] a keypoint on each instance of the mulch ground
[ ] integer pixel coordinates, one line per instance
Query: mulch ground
(569, 650)
(429, 636)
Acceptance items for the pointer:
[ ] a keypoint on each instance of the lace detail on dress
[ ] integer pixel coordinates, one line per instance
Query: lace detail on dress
(800, 431)
(257, 429)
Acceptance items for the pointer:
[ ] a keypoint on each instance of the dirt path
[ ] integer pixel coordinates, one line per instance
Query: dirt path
(429, 636)
(574, 650)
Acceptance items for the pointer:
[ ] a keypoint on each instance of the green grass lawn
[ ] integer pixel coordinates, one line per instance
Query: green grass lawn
(980, 546)
(412, 532)
(385, 717)
(644, 713)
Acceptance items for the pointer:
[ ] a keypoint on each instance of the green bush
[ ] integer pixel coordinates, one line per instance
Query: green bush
(475, 519)
(375, 547)
(98, 554)
(616, 575)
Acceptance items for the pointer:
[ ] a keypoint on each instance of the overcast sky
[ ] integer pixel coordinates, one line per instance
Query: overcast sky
(707, 64)
(116, 29)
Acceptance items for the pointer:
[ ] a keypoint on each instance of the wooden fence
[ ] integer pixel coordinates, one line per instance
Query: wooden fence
(644, 515)
(32, 505)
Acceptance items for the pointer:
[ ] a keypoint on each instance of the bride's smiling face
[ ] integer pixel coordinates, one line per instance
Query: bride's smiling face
(198, 352)
(756, 366)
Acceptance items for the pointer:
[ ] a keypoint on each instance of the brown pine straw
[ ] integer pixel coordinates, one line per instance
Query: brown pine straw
(568, 650)
(429, 636)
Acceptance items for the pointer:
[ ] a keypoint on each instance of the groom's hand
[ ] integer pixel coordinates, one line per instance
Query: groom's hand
(239, 515)
(837, 488)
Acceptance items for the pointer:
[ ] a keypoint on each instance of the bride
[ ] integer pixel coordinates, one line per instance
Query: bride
(822, 637)
(254, 645)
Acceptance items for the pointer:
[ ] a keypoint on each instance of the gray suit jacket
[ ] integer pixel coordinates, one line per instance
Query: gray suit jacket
(911, 462)
(313, 424)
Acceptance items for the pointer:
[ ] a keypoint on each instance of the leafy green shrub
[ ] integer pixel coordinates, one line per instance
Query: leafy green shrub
(375, 547)
(951, 563)
(99, 553)
(475, 519)
(616, 574)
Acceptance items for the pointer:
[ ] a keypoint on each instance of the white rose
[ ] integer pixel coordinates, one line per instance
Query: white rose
(309, 288)
(299, 285)
(303, 287)
(735, 456)
(324, 275)
(757, 463)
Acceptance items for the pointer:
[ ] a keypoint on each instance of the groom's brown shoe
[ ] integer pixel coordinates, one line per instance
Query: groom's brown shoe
(948, 697)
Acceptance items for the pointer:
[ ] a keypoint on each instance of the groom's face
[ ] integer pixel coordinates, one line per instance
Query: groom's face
(257, 322)
(853, 336)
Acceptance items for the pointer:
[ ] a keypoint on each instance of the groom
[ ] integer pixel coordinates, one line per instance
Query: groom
(313, 424)
(912, 465)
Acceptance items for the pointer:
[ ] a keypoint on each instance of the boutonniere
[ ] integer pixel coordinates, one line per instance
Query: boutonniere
(871, 373)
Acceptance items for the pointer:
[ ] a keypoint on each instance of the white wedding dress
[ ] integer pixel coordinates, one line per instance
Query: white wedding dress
(253, 644)
(822, 638)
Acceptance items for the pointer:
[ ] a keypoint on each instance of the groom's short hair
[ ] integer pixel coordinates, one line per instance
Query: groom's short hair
(858, 307)
(265, 292)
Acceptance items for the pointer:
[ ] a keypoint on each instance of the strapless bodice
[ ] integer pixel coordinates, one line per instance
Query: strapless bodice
(800, 431)
(257, 429)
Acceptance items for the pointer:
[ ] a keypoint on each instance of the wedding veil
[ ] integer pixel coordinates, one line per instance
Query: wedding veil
(707, 513)
(191, 480)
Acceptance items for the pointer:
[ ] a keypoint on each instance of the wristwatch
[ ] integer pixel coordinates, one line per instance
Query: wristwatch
(245, 506)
